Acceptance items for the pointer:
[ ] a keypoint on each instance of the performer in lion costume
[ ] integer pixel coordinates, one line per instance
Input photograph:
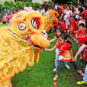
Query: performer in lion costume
(24, 32)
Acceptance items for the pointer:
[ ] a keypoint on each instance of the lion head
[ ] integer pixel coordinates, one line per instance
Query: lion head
(29, 26)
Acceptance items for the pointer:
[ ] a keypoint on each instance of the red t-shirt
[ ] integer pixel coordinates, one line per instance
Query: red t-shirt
(64, 51)
(82, 37)
(85, 55)
(63, 26)
(73, 25)
(62, 8)
(85, 14)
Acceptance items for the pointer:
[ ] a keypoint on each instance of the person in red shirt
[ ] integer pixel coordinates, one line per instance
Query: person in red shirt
(73, 25)
(84, 81)
(63, 25)
(65, 54)
(81, 37)
(85, 14)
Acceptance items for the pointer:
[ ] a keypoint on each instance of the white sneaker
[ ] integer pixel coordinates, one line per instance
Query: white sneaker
(67, 66)
(54, 70)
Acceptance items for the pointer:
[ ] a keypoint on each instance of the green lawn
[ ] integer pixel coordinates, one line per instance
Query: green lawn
(41, 75)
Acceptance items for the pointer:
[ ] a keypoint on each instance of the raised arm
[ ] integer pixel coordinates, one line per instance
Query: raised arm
(52, 40)
(51, 49)
(71, 53)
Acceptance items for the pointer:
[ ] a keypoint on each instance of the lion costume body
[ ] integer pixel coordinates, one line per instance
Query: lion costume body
(17, 42)
(50, 19)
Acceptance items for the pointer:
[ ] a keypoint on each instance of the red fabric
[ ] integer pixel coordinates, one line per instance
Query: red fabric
(4, 19)
(85, 14)
(63, 26)
(63, 50)
(73, 25)
(62, 8)
(82, 37)
(66, 60)
(55, 25)
(85, 55)
(38, 23)
(15, 12)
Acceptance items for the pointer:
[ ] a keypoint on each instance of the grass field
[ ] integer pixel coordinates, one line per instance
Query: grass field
(41, 74)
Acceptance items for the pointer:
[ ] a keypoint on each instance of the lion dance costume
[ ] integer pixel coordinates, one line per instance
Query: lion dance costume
(51, 20)
(24, 31)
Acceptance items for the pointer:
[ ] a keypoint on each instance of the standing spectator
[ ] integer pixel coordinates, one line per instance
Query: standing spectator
(81, 36)
(63, 25)
(76, 13)
(67, 15)
(81, 20)
(56, 6)
(85, 16)
(80, 8)
(73, 25)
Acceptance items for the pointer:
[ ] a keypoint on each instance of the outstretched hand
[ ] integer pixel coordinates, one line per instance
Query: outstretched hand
(75, 58)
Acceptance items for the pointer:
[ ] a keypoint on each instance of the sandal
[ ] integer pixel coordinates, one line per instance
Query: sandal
(81, 73)
(81, 82)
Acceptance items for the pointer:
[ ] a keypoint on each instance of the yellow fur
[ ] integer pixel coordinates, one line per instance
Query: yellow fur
(50, 18)
(15, 51)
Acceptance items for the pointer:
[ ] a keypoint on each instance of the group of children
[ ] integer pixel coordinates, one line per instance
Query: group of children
(73, 23)
(63, 46)
(64, 52)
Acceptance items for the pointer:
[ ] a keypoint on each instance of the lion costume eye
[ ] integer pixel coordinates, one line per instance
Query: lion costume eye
(34, 24)
(22, 26)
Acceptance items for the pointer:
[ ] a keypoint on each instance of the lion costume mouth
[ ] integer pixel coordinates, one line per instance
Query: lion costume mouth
(27, 39)
(30, 42)
(36, 40)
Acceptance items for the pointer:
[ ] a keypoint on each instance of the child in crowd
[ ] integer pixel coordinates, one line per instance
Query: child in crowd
(63, 25)
(85, 57)
(58, 31)
(81, 20)
(85, 16)
(67, 15)
(65, 54)
(73, 25)
(81, 37)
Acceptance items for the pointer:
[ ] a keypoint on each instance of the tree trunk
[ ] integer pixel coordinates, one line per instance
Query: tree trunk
(15, 0)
